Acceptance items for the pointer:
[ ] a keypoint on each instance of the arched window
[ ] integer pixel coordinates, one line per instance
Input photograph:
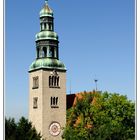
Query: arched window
(51, 52)
(44, 51)
(47, 26)
(41, 26)
(55, 53)
(44, 26)
(54, 80)
(37, 52)
(50, 26)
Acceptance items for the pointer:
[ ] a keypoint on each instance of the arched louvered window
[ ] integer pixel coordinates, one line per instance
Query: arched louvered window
(54, 81)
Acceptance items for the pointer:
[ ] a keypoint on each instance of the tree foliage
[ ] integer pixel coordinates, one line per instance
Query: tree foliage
(101, 116)
(22, 130)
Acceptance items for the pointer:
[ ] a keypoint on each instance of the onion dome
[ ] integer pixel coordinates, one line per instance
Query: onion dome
(46, 11)
(47, 63)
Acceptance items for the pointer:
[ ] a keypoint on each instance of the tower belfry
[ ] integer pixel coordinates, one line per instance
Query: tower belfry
(47, 81)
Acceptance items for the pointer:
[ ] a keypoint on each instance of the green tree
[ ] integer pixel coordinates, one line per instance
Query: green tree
(101, 116)
(22, 130)
(10, 129)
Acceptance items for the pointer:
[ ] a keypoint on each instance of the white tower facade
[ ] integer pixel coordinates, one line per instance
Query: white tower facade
(47, 82)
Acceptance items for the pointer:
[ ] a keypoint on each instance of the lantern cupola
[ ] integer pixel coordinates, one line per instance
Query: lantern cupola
(47, 51)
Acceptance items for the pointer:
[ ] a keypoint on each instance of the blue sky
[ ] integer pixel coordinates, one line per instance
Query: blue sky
(96, 41)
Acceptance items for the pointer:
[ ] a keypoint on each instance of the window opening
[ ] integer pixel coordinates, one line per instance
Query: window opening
(51, 52)
(45, 26)
(54, 102)
(54, 81)
(50, 26)
(37, 52)
(44, 51)
(35, 82)
(41, 27)
(35, 105)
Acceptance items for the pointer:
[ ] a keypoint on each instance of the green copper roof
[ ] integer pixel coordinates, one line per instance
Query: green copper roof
(47, 63)
(46, 11)
(46, 35)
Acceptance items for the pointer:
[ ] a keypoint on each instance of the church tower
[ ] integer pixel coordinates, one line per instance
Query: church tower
(47, 81)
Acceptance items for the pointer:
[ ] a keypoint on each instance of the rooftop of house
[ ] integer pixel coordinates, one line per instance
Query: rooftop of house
(71, 98)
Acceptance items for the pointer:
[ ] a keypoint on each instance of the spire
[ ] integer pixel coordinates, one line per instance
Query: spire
(46, 1)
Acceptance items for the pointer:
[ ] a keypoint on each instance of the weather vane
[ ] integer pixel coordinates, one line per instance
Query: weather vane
(96, 84)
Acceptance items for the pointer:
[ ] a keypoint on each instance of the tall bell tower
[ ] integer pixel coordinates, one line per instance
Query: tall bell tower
(47, 81)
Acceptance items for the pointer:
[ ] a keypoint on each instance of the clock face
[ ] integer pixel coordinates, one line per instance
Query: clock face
(54, 129)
